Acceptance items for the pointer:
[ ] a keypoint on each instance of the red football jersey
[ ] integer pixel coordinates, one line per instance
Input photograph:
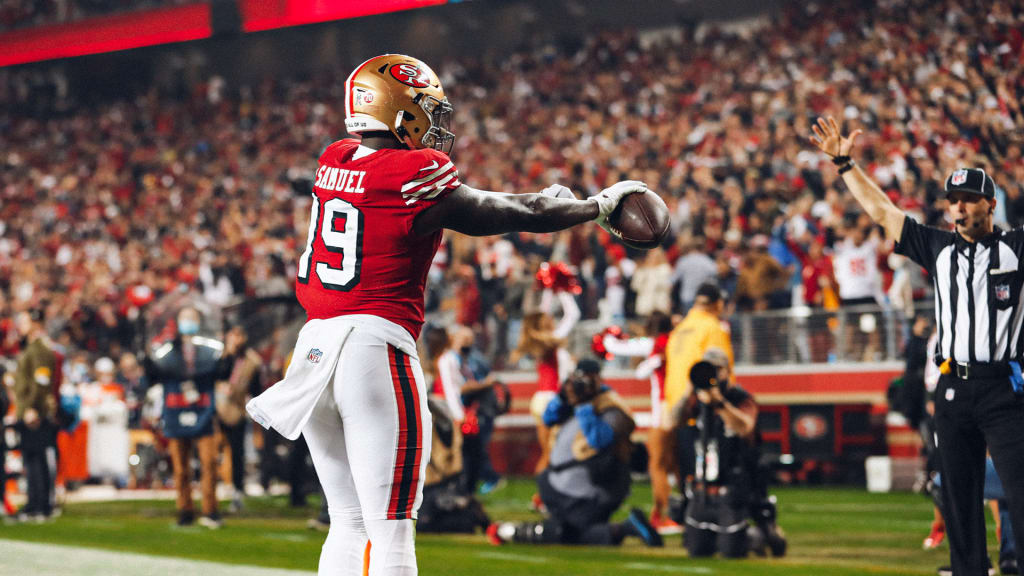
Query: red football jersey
(361, 256)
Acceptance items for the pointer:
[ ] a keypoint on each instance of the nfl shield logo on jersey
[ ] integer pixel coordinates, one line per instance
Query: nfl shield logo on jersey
(958, 177)
(314, 356)
(1002, 292)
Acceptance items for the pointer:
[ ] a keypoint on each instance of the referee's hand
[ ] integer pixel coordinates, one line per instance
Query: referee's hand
(830, 140)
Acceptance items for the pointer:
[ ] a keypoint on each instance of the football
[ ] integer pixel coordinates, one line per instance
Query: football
(640, 220)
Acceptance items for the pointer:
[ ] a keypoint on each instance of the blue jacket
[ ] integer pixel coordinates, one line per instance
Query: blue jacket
(189, 400)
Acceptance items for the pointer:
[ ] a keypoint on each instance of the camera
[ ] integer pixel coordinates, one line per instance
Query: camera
(704, 375)
(579, 388)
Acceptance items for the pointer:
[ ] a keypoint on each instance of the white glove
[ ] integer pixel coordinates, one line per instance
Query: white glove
(610, 197)
(558, 191)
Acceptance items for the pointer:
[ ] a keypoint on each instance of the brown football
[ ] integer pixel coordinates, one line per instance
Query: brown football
(641, 220)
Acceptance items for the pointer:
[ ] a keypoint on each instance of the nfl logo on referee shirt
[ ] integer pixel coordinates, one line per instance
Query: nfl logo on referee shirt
(314, 356)
(958, 177)
(1002, 292)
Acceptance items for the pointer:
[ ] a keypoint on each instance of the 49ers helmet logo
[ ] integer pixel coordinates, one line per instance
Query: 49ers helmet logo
(410, 75)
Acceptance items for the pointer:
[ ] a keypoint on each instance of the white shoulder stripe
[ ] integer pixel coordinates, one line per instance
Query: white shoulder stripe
(441, 186)
(433, 185)
(420, 181)
(450, 182)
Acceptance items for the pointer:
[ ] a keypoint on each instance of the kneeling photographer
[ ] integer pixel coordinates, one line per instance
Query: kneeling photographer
(719, 459)
(587, 476)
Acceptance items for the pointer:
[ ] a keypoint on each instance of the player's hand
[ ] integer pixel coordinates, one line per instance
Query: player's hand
(610, 197)
(830, 140)
(558, 191)
(716, 395)
(704, 397)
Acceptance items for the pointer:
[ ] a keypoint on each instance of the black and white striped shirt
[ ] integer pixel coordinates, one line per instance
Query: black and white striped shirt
(977, 290)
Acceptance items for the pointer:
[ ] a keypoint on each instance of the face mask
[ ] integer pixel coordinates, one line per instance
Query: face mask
(188, 328)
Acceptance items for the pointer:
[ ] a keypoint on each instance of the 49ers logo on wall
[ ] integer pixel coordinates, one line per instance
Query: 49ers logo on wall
(810, 427)
(410, 75)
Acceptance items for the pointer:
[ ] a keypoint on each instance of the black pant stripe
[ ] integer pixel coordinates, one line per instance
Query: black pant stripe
(404, 504)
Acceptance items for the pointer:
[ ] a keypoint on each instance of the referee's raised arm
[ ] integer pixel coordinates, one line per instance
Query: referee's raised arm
(830, 140)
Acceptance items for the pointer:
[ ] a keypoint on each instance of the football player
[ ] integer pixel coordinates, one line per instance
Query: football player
(355, 389)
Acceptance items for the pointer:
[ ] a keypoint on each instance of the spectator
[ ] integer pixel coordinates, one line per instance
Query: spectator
(132, 380)
(692, 269)
(104, 409)
(232, 395)
(471, 405)
(446, 507)
(859, 283)
(6, 509)
(36, 413)
(616, 279)
(819, 292)
(652, 282)
(187, 367)
(762, 280)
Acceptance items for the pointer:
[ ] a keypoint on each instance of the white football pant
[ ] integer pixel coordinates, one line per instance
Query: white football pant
(369, 438)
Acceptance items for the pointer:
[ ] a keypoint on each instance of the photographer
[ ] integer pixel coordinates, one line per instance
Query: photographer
(587, 476)
(718, 455)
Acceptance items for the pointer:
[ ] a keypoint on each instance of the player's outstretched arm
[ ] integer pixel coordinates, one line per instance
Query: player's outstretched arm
(875, 202)
(481, 213)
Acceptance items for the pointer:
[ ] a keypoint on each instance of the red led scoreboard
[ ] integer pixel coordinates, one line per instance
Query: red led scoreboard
(178, 24)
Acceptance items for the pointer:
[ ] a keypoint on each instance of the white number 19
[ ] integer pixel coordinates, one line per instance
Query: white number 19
(346, 240)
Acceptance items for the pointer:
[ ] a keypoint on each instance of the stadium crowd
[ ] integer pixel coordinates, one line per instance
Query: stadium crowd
(106, 206)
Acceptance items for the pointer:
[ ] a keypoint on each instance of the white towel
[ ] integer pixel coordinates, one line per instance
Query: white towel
(287, 405)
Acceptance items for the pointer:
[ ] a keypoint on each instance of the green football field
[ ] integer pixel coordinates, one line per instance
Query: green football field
(831, 531)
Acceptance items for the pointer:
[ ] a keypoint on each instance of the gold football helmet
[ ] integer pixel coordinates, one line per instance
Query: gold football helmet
(401, 95)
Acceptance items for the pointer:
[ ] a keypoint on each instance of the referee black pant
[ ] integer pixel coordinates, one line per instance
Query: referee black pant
(970, 414)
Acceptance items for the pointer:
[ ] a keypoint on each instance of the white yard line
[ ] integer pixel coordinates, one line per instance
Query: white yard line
(21, 558)
(647, 567)
(511, 557)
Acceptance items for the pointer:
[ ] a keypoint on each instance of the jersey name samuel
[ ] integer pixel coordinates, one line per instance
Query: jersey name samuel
(340, 180)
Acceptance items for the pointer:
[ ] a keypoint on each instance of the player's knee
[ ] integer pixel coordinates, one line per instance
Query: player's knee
(350, 517)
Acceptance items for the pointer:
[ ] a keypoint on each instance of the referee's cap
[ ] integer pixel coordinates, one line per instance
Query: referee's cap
(973, 180)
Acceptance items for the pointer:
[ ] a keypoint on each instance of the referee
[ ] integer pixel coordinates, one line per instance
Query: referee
(979, 400)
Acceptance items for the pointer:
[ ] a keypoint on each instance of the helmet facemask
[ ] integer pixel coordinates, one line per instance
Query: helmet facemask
(439, 113)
